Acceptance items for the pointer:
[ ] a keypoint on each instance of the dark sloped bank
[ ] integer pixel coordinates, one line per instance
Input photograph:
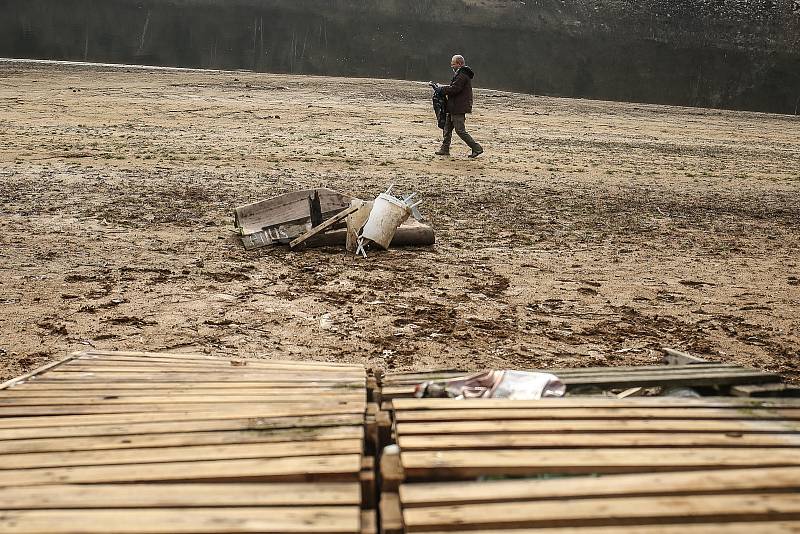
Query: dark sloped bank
(731, 54)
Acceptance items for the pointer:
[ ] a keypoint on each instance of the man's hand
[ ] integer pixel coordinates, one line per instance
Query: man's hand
(434, 85)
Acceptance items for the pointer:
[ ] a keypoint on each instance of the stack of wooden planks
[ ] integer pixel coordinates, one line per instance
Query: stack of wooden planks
(155, 442)
(401, 385)
(593, 465)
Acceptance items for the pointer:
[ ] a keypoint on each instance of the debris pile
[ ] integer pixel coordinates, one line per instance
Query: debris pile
(323, 217)
(495, 384)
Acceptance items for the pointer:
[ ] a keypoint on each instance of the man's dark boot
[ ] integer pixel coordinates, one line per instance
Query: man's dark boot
(443, 152)
(477, 151)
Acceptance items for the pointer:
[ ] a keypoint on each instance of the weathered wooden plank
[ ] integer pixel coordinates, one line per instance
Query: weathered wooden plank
(190, 375)
(127, 367)
(411, 378)
(118, 358)
(39, 370)
(55, 377)
(676, 370)
(276, 520)
(595, 440)
(391, 469)
(606, 511)
(598, 425)
(747, 527)
(102, 354)
(396, 392)
(416, 378)
(262, 424)
(369, 522)
(630, 392)
(766, 390)
(222, 412)
(594, 413)
(325, 225)
(667, 370)
(202, 373)
(201, 359)
(395, 374)
(589, 402)
(179, 495)
(420, 371)
(127, 410)
(205, 366)
(343, 467)
(40, 384)
(367, 478)
(720, 481)
(172, 399)
(181, 454)
(21, 395)
(234, 366)
(391, 514)
(689, 379)
(463, 464)
(176, 439)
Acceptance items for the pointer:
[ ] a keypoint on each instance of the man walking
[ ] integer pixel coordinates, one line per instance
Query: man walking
(459, 103)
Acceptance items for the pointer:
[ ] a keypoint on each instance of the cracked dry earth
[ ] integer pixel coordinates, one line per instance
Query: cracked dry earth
(590, 233)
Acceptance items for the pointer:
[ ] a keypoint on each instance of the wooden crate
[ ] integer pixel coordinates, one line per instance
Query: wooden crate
(154, 442)
(591, 464)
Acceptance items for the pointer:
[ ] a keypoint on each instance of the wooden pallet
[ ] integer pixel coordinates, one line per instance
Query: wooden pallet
(750, 500)
(636, 465)
(401, 385)
(154, 442)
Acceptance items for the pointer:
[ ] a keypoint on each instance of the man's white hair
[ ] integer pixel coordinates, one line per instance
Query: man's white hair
(458, 59)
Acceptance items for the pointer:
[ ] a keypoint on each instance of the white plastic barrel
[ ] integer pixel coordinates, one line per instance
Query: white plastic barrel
(387, 214)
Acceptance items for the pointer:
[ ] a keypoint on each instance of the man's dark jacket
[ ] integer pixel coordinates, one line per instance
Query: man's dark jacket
(459, 92)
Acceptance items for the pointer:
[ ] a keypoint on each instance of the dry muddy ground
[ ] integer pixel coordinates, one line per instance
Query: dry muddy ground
(590, 233)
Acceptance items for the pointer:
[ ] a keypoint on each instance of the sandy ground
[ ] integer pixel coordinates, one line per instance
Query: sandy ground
(590, 233)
